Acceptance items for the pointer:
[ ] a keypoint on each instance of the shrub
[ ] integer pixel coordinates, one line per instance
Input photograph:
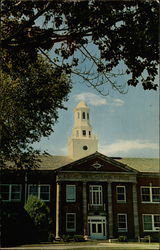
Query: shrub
(122, 238)
(78, 238)
(51, 237)
(67, 238)
(39, 213)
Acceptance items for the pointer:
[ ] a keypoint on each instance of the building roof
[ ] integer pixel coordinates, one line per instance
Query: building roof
(50, 162)
(142, 164)
(82, 104)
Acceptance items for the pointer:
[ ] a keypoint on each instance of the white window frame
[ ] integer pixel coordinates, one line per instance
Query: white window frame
(99, 197)
(154, 229)
(124, 193)
(150, 194)
(39, 191)
(74, 222)
(68, 199)
(126, 223)
(11, 192)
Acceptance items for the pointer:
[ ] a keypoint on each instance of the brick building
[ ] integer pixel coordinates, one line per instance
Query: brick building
(89, 193)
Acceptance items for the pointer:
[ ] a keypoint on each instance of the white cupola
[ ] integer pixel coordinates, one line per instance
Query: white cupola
(82, 142)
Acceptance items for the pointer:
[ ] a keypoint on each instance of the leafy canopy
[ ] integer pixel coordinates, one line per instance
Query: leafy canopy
(29, 103)
(43, 43)
(95, 34)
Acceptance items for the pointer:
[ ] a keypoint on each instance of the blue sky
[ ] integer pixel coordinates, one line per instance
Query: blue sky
(126, 124)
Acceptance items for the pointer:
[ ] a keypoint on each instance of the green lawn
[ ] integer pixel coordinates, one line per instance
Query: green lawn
(95, 246)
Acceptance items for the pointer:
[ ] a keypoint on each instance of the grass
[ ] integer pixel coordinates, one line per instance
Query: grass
(94, 245)
(112, 248)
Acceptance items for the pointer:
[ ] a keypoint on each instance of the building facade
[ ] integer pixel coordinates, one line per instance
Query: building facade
(89, 193)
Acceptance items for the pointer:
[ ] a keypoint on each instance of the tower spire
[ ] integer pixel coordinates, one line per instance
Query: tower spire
(82, 142)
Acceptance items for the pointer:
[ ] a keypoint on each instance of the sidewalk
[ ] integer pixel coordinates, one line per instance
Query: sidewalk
(103, 246)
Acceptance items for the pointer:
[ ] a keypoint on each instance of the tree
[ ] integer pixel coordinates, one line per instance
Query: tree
(43, 43)
(119, 30)
(29, 101)
(39, 213)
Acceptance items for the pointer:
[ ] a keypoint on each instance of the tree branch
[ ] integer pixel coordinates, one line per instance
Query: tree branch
(27, 24)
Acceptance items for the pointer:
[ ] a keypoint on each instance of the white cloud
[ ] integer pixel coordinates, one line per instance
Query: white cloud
(63, 150)
(96, 100)
(118, 102)
(125, 146)
(91, 99)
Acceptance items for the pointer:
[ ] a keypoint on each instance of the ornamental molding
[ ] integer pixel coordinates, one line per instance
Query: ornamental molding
(97, 165)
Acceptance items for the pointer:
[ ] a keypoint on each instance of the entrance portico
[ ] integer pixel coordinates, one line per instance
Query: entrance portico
(97, 227)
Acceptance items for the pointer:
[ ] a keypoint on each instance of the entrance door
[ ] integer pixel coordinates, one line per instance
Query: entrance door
(97, 227)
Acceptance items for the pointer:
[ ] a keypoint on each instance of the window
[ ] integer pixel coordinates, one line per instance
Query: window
(151, 222)
(95, 194)
(84, 132)
(70, 193)
(122, 222)
(70, 222)
(41, 191)
(88, 116)
(150, 194)
(155, 194)
(11, 192)
(121, 193)
(85, 147)
(89, 133)
(83, 115)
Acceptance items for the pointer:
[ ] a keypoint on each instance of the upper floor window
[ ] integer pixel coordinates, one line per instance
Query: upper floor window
(70, 193)
(70, 222)
(89, 133)
(84, 132)
(83, 115)
(95, 192)
(122, 222)
(41, 191)
(151, 222)
(121, 193)
(150, 194)
(11, 192)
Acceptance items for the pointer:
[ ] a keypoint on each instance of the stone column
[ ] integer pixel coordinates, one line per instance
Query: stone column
(110, 211)
(58, 189)
(85, 222)
(135, 211)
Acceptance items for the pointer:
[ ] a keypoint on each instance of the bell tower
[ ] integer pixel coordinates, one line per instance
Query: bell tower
(82, 142)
